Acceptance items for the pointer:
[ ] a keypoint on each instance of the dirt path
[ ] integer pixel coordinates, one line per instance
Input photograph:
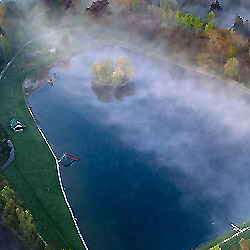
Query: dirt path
(12, 155)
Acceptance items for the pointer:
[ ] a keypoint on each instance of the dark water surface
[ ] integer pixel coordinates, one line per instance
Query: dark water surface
(159, 160)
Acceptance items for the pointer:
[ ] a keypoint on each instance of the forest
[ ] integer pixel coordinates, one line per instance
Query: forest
(194, 40)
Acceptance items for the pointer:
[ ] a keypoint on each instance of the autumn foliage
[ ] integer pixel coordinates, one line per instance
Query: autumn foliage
(106, 73)
(244, 244)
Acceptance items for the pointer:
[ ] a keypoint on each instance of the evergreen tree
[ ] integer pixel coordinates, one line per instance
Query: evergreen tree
(215, 6)
(197, 24)
(179, 17)
(239, 25)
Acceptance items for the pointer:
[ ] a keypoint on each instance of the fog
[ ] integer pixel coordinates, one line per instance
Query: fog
(193, 124)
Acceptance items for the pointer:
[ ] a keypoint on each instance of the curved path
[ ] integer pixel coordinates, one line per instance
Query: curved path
(24, 46)
(12, 155)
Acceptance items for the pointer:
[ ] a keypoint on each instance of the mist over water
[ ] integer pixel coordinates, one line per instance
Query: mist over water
(158, 165)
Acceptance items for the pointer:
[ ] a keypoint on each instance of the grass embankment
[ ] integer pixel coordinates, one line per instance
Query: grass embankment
(33, 172)
(232, 244)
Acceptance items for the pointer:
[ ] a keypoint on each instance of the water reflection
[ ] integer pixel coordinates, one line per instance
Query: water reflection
(107, 93)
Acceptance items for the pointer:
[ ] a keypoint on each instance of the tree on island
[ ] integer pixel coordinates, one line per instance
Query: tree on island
(106, 73)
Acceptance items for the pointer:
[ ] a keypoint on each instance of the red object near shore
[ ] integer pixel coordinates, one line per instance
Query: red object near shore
(72, 157)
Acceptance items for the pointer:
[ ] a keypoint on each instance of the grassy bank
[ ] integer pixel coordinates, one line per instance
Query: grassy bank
(232, 244)
(33, 172)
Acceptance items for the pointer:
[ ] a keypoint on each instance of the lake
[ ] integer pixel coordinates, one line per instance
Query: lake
(163, 162)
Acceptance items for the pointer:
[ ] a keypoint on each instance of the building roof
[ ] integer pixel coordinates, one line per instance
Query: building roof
(16, 123)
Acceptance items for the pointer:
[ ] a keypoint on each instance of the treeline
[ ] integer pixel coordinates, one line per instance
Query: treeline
(19, 219)
(199, 41)
(12, 21)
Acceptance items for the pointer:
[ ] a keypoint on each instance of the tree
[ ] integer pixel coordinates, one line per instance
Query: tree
(198, 24)
(239, 25)
(217, 247)
(211, 17)
(135, 5)
(179, 17)
(204, 60)
(124, 64)
(215, 5)
(7, 194)
(244, 244)
(118, 76)
(232, 50)
(26, 226)
(209, 27)
(9, 213)
(188, 21)
(163, 13)
(102, 72)
(231, 67)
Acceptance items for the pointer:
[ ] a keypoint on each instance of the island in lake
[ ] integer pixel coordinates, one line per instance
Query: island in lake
(112, 82)
(105, 73)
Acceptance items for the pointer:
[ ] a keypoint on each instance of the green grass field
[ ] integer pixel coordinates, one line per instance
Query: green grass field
(34, 169)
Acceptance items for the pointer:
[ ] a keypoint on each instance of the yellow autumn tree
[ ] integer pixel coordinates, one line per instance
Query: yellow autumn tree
(231, 67)
(217, 247)
(102, 72)
(117, 76)
(123, 63)
(204, 60)
(105, 73)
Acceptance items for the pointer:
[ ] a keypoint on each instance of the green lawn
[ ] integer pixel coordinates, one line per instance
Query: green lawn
(34, 169)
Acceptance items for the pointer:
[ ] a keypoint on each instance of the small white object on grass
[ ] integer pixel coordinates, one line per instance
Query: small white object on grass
(52, 50)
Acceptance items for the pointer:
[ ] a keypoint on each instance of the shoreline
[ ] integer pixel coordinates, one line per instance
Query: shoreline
(56, 228)
(58, 169)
